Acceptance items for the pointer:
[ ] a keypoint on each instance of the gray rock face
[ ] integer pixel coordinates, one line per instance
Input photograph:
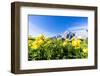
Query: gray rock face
(68, 34)
(79, 33)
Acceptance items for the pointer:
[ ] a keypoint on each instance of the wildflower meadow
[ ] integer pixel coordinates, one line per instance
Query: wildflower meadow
(42, 48)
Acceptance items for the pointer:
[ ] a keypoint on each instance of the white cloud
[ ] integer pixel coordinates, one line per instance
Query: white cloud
(78, 28)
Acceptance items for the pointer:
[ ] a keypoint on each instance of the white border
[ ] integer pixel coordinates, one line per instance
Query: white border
(25, 64)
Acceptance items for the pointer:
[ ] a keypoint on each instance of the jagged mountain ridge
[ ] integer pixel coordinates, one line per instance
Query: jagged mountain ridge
(79, 33)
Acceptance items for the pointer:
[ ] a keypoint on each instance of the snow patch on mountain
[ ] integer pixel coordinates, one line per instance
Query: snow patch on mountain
(79, 33)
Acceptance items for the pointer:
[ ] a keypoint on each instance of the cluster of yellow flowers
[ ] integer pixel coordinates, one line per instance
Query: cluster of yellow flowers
(39, 41)
(85, 50)
(65, 42)
(30, 42)
(76, 43)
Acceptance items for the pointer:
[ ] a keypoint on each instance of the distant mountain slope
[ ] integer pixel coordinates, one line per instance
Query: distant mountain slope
(79, 33)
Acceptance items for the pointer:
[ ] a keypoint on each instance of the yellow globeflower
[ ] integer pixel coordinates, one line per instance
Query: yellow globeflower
(41, 36)
(76, 43)
(35, 45)
(64, 43)
(40, 42)
(85, 50)
(37, 38)
(30, 42)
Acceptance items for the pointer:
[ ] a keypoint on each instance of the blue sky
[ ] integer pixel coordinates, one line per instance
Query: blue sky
(53, 25)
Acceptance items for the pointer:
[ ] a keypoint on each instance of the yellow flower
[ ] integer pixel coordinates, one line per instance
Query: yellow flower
(35, 46)
(42, 37)
(85, 50)
(76, 43)
(65, 42)
(40, 42)
(35, 42)
(29, 44)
